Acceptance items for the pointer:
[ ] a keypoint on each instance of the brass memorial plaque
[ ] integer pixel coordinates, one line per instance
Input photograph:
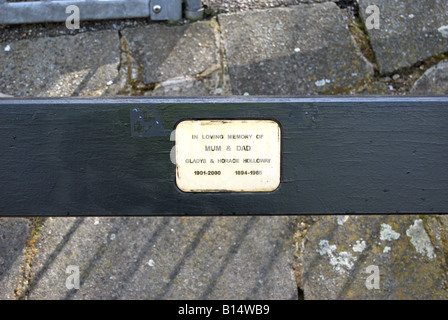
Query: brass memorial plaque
(227, 155)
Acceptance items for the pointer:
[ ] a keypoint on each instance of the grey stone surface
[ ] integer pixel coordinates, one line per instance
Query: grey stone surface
(338, 251)
(165, 258)
(304, 49)
(227, 6)
(13, 235)
(84, 64)
(178, 61)
(433, 81)
(410, 31)
(164, 52)
(220, 6)
(374, 88)
(209, 83)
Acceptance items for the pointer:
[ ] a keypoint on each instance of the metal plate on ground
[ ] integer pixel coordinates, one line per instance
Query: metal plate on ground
(228, 155)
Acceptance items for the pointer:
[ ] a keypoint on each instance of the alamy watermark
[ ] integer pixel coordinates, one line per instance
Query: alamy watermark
(72, 21)
(373, 280)
(72, 281)
(373, 20)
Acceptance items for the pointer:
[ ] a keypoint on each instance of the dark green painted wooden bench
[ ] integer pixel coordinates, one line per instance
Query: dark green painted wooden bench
(340, 155)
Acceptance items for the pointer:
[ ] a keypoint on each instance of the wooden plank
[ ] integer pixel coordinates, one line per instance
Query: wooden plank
(340, 155)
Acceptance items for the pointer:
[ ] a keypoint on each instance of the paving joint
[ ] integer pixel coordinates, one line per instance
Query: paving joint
(22, 288)
(444, 247)
(129, 72)
(225, 78)
(302, 225)
(409, 75)
(439, 242)
(131, 79)
(359, 32)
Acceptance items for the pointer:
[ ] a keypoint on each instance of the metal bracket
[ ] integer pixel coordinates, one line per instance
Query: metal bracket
(170, 10)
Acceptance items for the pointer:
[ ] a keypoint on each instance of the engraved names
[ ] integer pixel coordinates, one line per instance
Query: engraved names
(227, 155)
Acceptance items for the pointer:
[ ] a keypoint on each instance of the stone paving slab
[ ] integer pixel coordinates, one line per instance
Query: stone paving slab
(63, 66)
(167, 60)
(434, 80)
(13, 236)
(165, 258)
(164, 52)
(297, 50)
(343, 254)
(409, 31)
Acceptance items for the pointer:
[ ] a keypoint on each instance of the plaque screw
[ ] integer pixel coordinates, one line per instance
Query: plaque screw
(157, 8)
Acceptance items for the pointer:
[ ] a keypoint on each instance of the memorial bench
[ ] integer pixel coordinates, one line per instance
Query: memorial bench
(141, 156)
